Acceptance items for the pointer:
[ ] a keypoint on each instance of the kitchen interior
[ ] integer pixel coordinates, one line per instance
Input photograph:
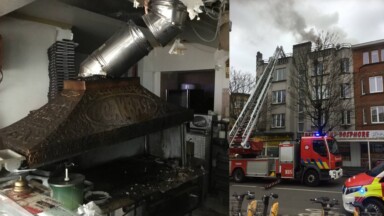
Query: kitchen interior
(120, 107)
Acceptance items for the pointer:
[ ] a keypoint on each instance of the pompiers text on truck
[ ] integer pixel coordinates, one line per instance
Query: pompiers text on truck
(310, 160)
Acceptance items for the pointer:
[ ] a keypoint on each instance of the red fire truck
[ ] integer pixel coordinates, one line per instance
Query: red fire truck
(310, 160)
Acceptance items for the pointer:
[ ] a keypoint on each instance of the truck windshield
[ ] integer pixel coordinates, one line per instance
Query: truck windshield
(333, 148)
(376, 171)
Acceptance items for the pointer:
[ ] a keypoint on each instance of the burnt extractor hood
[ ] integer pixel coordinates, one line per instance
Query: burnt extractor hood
(88, 115)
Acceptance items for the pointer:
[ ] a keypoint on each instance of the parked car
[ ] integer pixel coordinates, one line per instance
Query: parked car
(366, 188)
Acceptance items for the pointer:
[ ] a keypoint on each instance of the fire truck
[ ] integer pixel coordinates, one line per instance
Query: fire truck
(310, 159)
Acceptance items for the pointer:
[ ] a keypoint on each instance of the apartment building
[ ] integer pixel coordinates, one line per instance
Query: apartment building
(284, 114)
(368, 66)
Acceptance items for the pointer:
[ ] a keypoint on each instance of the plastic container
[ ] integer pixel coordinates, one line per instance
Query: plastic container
(10, 160)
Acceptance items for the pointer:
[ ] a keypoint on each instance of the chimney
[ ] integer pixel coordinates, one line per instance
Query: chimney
(259, 58)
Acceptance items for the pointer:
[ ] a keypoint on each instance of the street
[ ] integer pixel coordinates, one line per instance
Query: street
(294, 198)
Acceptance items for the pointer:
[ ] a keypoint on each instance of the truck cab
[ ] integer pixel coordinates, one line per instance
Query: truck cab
(320, 160)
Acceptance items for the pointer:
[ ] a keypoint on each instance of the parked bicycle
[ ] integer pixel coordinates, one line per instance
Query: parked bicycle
(326, 204)
(361, 210)
(237, 202)
(260, 207)
(254, 207)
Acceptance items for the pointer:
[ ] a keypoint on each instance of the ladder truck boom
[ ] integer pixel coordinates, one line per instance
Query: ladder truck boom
(246, 121)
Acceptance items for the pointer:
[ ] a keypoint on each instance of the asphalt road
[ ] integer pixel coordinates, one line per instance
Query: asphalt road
(294, 198)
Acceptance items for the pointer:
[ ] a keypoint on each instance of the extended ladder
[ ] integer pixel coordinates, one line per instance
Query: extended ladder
(246, 121)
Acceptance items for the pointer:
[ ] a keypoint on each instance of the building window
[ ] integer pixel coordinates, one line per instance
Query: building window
(377, 114)
(278, 120)
(320, 92)
(364, 119)
(374, 56)
(344, 65)
(362, 87)
(280, 74)
(346, 117)
(315, 118)
(345, 90)
(345, 150)
(365, 57)
(382, 55)
(318, 69)
(301, 122)
(301, 127)
(375, 84)
(278, 97)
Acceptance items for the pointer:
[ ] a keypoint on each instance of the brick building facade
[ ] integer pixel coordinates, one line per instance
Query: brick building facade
(368, 66)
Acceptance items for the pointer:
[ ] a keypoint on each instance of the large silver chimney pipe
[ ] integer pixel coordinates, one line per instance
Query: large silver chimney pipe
(127, 46)
(165, 19)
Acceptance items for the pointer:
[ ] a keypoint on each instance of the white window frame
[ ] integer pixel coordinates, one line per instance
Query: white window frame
(374, 56)
(314, 120)
(280, 74)
(346, 117)
(319, 70)
(365, 58)
(362, 87)
(364, 119)
(345, 65)
(382, 54)
(324, 92)
(346, 90)
(278, 97)
(376, 112)
(375, 84)
(278, 120)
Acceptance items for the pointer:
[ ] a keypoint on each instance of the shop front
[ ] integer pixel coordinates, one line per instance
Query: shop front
(363, 149)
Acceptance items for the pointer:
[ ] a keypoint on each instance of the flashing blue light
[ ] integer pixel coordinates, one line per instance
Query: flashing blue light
(317, 134)
(362, 190)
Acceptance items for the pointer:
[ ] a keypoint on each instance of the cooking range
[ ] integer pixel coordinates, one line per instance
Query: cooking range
(122, 138)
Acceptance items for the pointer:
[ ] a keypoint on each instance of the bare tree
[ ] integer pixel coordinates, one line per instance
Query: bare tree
(320, 84)
(240, 86)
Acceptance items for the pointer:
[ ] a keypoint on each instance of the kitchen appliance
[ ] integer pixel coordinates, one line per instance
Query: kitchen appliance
(68, 189)
(202, 122)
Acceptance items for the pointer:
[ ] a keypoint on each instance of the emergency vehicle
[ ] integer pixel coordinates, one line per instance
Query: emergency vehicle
(310, 160)
(366, 188)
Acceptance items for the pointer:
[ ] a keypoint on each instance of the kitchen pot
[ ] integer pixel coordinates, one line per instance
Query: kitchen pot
(68, 190)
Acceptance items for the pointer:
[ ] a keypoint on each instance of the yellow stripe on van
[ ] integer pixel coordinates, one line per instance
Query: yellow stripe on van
(319, 165)
(325, 165)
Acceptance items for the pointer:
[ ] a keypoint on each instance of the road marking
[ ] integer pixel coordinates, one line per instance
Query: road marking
(293, 189)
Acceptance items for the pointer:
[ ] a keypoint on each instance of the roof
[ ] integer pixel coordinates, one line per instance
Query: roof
(370, 43)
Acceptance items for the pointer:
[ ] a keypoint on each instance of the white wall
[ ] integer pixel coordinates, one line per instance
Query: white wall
(25, 66)
(196, 57)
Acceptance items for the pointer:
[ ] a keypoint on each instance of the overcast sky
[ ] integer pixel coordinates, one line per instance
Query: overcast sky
(262, 25)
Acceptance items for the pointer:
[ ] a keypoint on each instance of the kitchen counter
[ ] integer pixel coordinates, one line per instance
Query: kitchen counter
(135, 181)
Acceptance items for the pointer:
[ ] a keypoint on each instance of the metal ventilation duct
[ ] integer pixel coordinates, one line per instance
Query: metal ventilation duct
(165, 19)
(118, 54)
(130, 44)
